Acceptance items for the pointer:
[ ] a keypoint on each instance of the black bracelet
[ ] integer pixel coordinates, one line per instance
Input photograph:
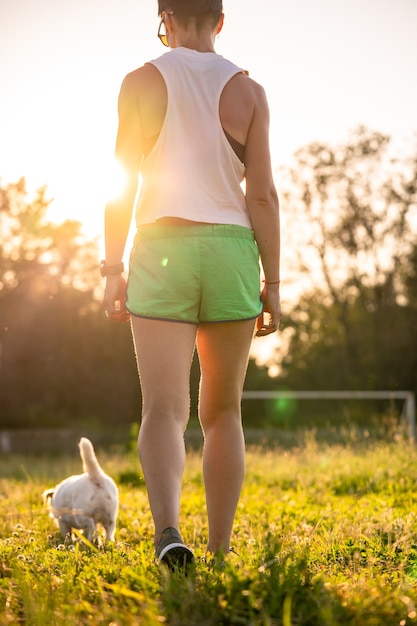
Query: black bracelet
(111, 270)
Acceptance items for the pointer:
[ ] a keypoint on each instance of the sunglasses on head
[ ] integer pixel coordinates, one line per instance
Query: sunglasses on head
(162, 35)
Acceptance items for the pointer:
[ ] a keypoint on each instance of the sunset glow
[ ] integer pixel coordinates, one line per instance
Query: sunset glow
(61, 67)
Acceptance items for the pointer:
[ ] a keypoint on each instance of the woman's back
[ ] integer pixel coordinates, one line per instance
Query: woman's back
(194, 168)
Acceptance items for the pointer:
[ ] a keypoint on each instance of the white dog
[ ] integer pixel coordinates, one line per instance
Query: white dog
(85, 500)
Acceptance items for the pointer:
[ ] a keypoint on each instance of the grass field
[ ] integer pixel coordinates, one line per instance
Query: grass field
(324, 536)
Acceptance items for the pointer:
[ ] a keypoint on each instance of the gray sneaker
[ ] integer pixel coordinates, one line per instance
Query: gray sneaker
(172, 551)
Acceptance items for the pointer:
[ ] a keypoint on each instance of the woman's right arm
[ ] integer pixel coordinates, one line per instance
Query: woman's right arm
(118, 212)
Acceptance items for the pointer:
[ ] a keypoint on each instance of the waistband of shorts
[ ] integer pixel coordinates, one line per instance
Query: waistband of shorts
(161, 231)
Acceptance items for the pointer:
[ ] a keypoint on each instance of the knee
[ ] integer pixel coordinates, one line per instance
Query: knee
(165, 405)
(165, 417)
(222, 418)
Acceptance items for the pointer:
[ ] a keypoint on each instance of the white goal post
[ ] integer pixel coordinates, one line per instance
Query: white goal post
(408, 397)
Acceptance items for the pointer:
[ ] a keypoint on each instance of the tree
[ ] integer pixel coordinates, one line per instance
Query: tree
(36, 256)
(61, 359)
(355, 207)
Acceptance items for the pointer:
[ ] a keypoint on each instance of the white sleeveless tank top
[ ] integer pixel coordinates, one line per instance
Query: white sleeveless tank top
(192, 172)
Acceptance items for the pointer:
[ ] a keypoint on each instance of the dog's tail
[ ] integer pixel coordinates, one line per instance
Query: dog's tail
(90, 463)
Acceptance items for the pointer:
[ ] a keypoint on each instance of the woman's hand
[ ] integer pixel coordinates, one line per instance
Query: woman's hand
(269, 319)
(114, 301)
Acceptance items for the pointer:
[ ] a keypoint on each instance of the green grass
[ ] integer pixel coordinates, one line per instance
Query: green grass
(325, 536)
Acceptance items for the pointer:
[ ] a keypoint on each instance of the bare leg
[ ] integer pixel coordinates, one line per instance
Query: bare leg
(164, 353)
(223, 351)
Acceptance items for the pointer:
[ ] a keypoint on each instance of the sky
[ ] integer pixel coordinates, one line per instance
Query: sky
(327, 66)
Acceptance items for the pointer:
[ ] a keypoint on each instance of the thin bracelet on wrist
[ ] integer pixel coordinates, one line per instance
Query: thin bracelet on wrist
(271, 282)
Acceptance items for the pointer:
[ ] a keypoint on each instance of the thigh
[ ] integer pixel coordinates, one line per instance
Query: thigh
(223, 350)
(164, 352)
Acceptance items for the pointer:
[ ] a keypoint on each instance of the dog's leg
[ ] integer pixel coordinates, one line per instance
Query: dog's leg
(65, 527)
(88, 525)
(110, 529)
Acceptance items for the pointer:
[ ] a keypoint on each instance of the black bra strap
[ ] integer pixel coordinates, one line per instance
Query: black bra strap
(238, 148)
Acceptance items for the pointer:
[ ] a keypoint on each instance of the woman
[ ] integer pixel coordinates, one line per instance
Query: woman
(194, 125)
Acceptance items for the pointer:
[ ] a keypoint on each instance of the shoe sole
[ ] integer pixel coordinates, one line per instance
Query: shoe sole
(176, 556)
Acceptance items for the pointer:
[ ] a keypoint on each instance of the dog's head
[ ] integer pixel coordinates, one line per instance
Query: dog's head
(47, 496)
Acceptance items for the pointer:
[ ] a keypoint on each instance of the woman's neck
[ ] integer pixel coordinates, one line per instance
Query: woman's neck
(203, 42)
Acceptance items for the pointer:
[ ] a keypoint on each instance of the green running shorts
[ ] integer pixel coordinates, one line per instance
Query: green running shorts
(194, 273)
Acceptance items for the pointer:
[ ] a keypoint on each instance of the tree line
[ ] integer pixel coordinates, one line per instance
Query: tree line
(350, 246)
